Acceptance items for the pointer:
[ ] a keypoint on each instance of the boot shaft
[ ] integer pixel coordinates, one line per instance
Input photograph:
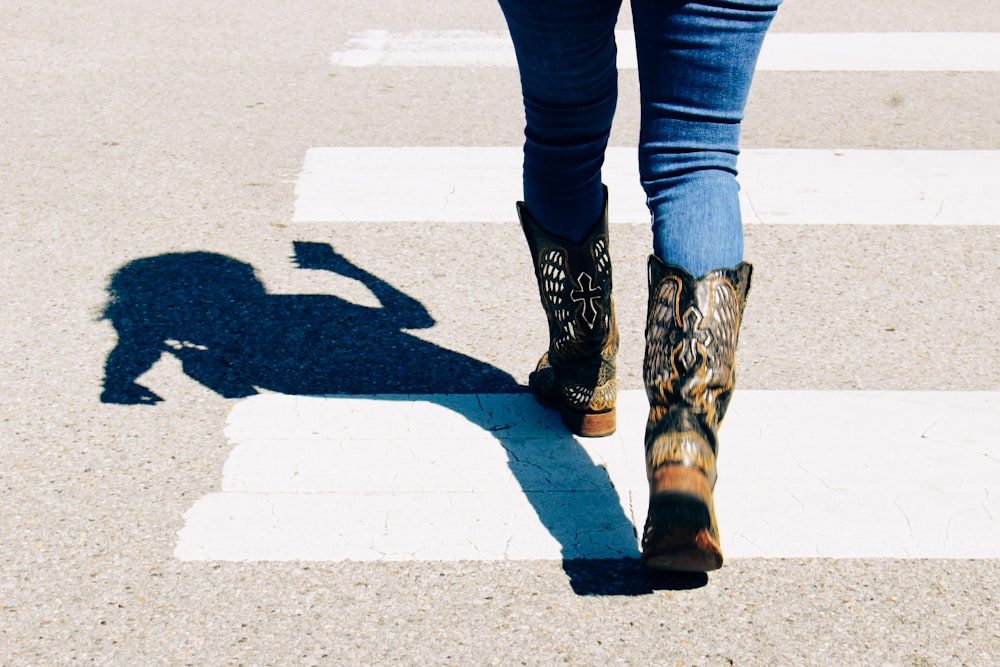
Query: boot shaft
(574, 285)
(692, 330)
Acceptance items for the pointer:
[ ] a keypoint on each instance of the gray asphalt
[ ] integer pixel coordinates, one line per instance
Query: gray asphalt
(136, 129)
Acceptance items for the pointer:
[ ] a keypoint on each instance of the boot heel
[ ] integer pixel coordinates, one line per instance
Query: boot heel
(681, 532)
(590, 424)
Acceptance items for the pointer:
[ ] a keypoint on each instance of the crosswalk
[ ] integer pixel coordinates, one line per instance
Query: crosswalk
(496, 477)
(491, 477)
(777, 186)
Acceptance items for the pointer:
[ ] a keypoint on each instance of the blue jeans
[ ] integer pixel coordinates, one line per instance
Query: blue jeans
(696, 61)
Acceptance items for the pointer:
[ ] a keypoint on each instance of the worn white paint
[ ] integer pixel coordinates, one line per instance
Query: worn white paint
(825, 51)
(825, 473)
(779, 186)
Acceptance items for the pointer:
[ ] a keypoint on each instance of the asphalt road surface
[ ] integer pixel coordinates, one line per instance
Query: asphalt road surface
(240, 426)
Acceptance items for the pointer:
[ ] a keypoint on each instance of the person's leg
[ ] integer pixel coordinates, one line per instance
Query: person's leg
(696, 61)
(567, 59)
(566, 56)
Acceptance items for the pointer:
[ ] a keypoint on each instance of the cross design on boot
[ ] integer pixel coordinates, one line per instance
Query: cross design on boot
(693, 336)
(587, 296)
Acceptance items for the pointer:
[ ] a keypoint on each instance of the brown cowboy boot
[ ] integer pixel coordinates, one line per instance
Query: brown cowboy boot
(692, 328)
(577, 373)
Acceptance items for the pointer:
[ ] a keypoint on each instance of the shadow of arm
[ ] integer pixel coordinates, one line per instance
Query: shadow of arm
(126, 362)
(405, 311)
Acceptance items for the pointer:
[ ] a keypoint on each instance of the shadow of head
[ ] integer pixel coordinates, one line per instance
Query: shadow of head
(214, 314)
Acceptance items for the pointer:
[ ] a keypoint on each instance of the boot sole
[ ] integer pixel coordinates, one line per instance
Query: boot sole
(590, 424)
(681, 521)
(683, 551)
(583, 424)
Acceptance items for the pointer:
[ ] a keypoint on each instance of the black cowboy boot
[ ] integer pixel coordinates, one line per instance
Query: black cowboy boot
(577, 373)
(692, 328)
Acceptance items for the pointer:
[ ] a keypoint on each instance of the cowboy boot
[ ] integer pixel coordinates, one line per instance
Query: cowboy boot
(692, 328)
(577, 373)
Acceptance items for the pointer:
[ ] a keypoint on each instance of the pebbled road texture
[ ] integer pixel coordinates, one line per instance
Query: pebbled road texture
(135, 129)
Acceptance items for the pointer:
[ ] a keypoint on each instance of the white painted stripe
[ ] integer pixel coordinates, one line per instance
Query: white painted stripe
(426, 48)
(870, 52)
(802, 474)
(779, 186)
(909, 51)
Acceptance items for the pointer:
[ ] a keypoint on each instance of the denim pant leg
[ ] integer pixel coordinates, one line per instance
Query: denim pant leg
(566, 55)
(696, 61)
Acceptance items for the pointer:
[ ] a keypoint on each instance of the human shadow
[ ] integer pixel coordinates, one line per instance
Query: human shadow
(214, 315)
